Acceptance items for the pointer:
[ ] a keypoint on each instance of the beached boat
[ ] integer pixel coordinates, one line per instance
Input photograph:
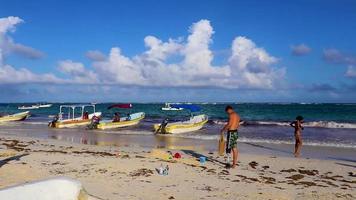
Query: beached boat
(193, 124)
(49, 189)
(120, 122)
(169, 107)
(15, 117)
(71, 120)
(131, 120)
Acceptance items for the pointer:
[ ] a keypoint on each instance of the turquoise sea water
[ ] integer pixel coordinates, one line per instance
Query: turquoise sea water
(325, 124)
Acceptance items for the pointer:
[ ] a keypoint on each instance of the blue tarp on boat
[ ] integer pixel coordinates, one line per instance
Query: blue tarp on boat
(192, 108)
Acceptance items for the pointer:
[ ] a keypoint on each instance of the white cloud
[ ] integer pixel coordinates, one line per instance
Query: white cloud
(300, 50)
(351, 71)
(7, 45)
(9, 74)
(249, 66)
(172, 63)
(77, 72)
(95, 55)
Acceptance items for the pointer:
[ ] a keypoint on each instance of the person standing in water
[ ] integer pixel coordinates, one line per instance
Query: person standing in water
(232, 134)
(297, 125)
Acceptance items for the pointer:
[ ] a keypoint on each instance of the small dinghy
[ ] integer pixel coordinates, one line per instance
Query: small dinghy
(60, 188)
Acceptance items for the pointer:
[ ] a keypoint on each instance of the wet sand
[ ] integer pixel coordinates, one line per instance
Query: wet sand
(128, 172)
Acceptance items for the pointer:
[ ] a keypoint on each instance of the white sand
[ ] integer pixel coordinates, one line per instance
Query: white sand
(129, 173)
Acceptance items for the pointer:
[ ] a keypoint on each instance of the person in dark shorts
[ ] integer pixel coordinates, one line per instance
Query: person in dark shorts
(232, 134)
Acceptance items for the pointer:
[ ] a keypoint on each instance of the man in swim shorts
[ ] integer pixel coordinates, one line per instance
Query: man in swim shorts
(232, 134)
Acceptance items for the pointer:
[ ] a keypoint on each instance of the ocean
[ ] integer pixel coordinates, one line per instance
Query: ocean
(327, 125)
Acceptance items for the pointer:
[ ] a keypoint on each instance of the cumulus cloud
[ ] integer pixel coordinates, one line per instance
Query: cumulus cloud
(95, 55)
(351, 71)
(323, 87)
(77, 72)
(337, 57)
(9, 74)
(248, 66)
(7, 45)
(300, 50)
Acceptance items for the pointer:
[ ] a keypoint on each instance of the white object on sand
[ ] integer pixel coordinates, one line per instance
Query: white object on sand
(61, 188)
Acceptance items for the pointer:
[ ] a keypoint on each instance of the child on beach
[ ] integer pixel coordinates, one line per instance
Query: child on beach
(297, 125)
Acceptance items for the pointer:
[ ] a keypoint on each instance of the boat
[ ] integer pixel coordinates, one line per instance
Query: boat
(168, 107)
(45, 105)
(193, 124)
(48, 189)
(36, 106)
(28, 107)
(71, 120)
(129, 120)
(15, 117)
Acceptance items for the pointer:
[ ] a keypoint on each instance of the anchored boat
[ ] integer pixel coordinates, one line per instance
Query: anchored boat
(193, 124)
(169, 107)
(119, 122)
(15, 117)
(70, 120)
(28, 107)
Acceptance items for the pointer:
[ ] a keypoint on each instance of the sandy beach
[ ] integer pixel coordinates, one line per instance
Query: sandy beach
(109, 172)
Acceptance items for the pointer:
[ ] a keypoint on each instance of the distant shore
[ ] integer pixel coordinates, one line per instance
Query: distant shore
(128, 172)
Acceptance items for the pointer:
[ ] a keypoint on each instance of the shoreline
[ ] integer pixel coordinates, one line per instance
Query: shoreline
(113, 172)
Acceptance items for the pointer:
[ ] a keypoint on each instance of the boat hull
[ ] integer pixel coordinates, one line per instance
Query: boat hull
(15, 117)
(70, 123)
(177, 128)
(120, 124)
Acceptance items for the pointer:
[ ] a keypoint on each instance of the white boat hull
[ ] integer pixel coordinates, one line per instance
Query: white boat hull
(71, 123)
(194, 124)
(51, 189)
(15, 117)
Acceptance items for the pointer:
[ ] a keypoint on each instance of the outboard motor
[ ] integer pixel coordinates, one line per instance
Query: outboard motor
(162, 127)
(53, 122)
(94, 122)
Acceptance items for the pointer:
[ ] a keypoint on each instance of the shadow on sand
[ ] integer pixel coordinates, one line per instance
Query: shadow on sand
(5, 161)
(268, 148)
(198, 155)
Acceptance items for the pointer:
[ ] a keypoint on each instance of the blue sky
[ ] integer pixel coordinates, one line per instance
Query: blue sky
(301, 51)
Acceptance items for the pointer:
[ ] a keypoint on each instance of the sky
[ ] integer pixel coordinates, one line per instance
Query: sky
(159, 50)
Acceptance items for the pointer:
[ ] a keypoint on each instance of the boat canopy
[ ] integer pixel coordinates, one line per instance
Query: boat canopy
(125, 105)
(192, 108)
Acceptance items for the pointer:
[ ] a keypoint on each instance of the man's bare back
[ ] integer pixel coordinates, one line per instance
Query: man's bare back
(234, 121)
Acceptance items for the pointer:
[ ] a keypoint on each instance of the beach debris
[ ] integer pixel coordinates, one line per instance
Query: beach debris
(268, 180)
(309, 172)
(141, 172)
(352, 174)
(288, 170)
(202, 159)
(306, 183)
(265, 167)
(94, 153)
(177, 155)
(253, 164)
(296, 177)
(162, 170)
(171, 197)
